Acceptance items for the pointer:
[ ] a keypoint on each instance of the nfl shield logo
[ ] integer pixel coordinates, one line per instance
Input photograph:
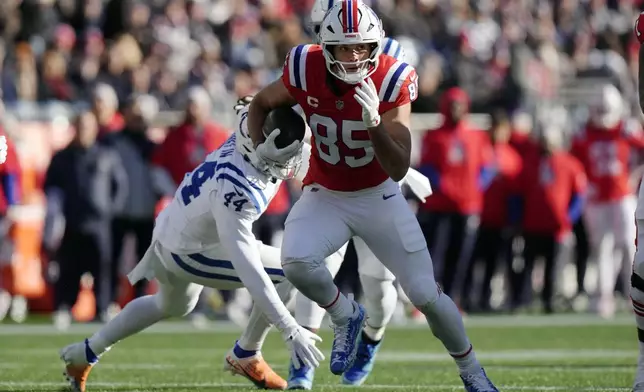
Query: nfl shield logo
(339, 105)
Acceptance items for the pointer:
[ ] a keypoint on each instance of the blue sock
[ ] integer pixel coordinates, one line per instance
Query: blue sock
(89, 354)
(241, 353)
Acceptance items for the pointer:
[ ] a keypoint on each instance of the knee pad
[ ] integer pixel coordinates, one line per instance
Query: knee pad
(302, 270)
(312, 279)
(422, 292)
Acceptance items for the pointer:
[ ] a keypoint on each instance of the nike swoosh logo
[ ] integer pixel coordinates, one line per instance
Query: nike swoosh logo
(387, 197)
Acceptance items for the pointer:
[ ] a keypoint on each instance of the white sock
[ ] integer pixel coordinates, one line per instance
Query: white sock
(307, 313)
(380, 301)
(341, 309)
(255, 332)
(135, 317)
(374, 333)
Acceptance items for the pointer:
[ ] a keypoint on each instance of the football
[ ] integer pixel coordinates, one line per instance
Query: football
(291, 125)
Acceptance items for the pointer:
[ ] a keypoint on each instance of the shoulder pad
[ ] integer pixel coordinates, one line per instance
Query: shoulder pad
(295, 65)
(393, 81)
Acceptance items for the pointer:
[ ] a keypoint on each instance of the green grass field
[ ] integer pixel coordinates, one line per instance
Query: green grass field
(560, 353)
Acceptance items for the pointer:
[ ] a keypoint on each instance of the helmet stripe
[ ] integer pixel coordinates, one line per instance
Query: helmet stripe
(354, 15)
(348, 5)
(345, 19)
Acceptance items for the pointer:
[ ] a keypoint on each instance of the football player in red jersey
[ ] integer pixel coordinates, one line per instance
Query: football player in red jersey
(637, 278)
(604, 148)
(358, 105)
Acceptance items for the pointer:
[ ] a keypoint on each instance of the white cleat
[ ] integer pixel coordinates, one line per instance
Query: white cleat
(79, 360)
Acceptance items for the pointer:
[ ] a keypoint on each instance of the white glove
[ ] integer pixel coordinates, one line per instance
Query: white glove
(3, 149)
(367, 96)
(269, 153)
(418, 183)
(301, 343)
(242, 103)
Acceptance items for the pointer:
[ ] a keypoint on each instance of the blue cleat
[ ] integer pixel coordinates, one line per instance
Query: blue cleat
(301, 378)
(478, 382)
(345, 341)
(363, 365)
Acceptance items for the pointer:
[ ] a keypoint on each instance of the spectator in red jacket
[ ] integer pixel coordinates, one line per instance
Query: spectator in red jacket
(551, 188)
(187, 144)
(456, 158)
(494, 236)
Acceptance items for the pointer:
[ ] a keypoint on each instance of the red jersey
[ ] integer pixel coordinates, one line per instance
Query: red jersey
(11, 167)
(457, 156)
(547, 185)
(342, 157)
(184, 148)
(495, 199)
(521, 142)
(281, 201)
(605, 155)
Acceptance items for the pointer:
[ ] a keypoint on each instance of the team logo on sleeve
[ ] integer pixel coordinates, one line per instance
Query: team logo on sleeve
(339, 104)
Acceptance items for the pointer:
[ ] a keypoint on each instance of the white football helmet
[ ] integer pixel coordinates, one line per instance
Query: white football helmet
(291, 163)
(243, 142)
(320, 7)
(351, 22)
(607, 109)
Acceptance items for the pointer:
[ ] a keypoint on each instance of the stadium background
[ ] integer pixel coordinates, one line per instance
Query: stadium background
(542, 61)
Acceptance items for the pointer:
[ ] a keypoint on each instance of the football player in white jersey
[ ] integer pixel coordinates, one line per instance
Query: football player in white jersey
(380, 294)
(204, 238)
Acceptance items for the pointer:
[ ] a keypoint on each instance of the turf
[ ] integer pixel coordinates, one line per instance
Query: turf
(561, 353)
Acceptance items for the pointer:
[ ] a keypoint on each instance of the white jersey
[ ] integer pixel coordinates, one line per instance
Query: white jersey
(205, 234)
(187, 224)
(225, 179)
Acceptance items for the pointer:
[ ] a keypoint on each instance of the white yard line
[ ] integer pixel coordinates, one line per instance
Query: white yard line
(523, 321)
(384, 356)
(141, 366)
(428, 387)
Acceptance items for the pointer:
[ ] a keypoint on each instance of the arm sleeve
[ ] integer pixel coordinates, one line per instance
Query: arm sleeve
(235, 233)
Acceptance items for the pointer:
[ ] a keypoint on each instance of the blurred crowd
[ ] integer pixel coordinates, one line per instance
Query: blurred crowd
(537, 67)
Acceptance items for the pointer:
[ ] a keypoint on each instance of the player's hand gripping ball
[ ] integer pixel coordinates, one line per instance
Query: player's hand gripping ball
(639, 28)
(367, 96)
(3, 149)
(284, 131)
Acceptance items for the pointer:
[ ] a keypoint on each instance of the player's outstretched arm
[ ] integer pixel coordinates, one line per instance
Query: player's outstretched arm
(241, 246)
(235, 233)
(270, 97)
